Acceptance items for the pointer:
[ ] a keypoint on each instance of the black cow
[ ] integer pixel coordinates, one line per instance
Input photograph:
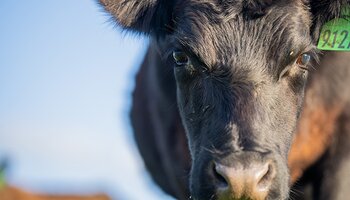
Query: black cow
(232, 79)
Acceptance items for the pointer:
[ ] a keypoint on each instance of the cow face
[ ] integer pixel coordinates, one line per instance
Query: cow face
(240, 83)
(240, 69)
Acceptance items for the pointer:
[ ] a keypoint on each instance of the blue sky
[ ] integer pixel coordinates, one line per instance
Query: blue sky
(66, 75)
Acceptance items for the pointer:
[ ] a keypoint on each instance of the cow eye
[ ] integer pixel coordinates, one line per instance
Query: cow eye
(303, 59)
(180, 58)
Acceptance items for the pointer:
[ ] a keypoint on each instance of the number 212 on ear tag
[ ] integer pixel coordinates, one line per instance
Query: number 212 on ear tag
(335, 34)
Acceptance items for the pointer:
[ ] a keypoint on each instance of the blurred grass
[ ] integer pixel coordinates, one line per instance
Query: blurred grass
(8, 192)
(12, 193)
(2, 176)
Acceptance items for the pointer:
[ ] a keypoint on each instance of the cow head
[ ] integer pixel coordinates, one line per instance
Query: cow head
(240, 68)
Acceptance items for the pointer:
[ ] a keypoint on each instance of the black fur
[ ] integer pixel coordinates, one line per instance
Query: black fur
(241, 94)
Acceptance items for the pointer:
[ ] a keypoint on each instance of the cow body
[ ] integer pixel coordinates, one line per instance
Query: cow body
(231, 97)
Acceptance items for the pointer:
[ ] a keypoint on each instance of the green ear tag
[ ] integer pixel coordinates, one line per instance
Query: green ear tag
(335, 34)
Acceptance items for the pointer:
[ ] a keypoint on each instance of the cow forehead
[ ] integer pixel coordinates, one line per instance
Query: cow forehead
(225, 39)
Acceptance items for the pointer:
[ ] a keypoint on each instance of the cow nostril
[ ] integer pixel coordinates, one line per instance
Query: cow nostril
(253, 181)
(266, 177)
(221, 180)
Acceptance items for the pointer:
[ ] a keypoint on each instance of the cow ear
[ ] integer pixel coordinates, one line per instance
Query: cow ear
(152, 17)
(323, 11)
